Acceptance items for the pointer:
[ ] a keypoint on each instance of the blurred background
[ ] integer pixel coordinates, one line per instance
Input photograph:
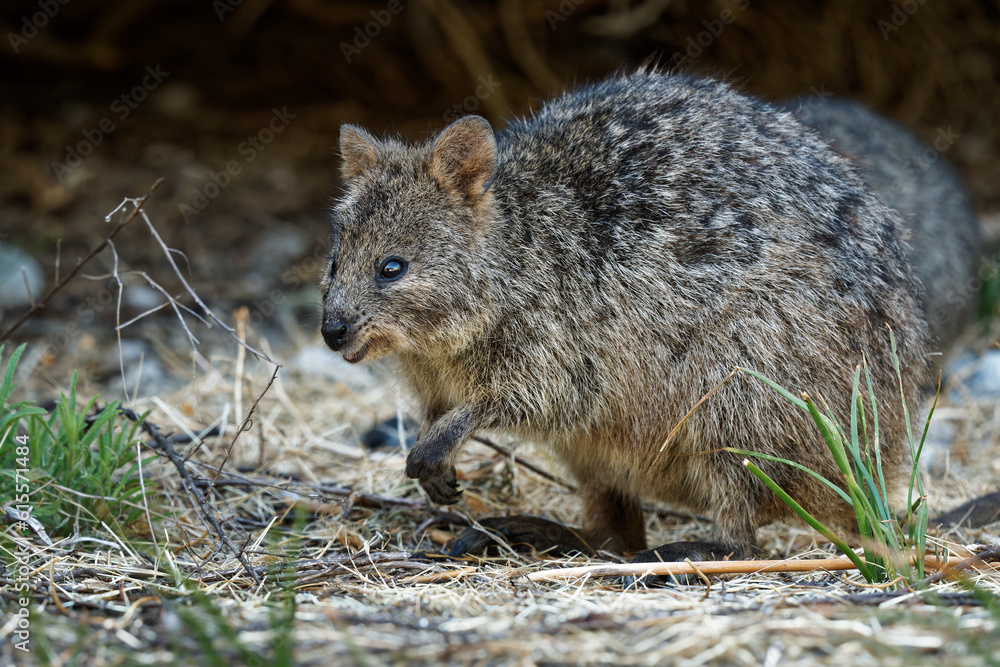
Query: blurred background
(237, 104)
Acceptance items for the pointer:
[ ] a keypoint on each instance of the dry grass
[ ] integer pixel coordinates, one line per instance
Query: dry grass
(366, 594)
(363, 593)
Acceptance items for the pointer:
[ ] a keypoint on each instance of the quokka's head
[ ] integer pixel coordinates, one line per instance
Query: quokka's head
(405, 255)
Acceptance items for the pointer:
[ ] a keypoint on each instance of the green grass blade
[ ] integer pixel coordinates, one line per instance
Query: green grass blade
(777, 387)
(915, 471)
(861, 455)
(832, 439)
(808, 518)
(777, 459)
(7, 386)
(902, 393)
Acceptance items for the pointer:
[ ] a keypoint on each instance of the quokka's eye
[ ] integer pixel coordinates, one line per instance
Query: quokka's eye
(392, 269)
(333, 269)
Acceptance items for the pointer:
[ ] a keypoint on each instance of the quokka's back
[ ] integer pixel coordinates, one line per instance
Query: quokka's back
(585, 277)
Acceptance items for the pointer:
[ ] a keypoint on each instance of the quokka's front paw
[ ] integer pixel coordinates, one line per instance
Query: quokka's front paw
(442, 489)
(437, 478)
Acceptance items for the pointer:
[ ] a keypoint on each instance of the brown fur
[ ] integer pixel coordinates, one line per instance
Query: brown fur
(584, 279)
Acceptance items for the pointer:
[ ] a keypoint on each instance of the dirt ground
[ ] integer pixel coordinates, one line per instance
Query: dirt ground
(236, 106)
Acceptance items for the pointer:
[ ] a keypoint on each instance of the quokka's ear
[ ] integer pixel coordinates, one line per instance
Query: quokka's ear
(465, 157)
(358, 150)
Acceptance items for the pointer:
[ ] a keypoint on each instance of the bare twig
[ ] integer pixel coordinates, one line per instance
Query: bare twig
(245, 424)
(988, 554)
(367, 500)
(712, 567)
(433, 577)
(673, 432)
(139, 203)
(118, 317)
(27, 285)
(194, 295)
(371, 559)
(163, 444)
(173, 303)
(145, 500)
(241, 316)
(58, 257)
(525, 464)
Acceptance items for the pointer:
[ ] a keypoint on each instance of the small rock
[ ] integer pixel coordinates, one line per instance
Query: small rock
(142, 297)
(975, 377)
(13, 293)
(141, 366)
(385, 435)
(985, 381)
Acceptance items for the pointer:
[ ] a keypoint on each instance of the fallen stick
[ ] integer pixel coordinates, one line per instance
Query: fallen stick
(432, 577)
(61, 282)
(716, 567)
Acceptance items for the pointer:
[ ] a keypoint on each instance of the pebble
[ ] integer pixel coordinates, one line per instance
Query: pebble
(13, 294)
(970, 381)
(974, 376)
(141, 365)
(385, 435)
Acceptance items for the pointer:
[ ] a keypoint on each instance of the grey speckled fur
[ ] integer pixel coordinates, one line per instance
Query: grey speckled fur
(916, 180)
(584, 278)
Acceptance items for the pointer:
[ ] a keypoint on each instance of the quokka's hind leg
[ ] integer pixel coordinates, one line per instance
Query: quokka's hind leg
(613, 521)
(740, 508)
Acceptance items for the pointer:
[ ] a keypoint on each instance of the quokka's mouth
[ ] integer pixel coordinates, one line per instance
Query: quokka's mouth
(359, 354)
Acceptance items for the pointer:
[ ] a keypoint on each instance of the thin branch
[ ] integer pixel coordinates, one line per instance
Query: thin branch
(176, 305)
(194, 295)
(713, 567)
(435, 577)
(118, 321)
(139, 203)
(27, 285)
(673, 432)
(989, 554)
(245, 424)
(163, 445)
(58, 257)
(371, 559)
(525, 464)
(154, 309)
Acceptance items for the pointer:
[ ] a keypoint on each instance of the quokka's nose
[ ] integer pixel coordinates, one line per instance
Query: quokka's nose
(335, 332)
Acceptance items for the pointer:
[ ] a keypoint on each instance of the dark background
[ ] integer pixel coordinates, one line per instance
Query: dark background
(225, 68)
